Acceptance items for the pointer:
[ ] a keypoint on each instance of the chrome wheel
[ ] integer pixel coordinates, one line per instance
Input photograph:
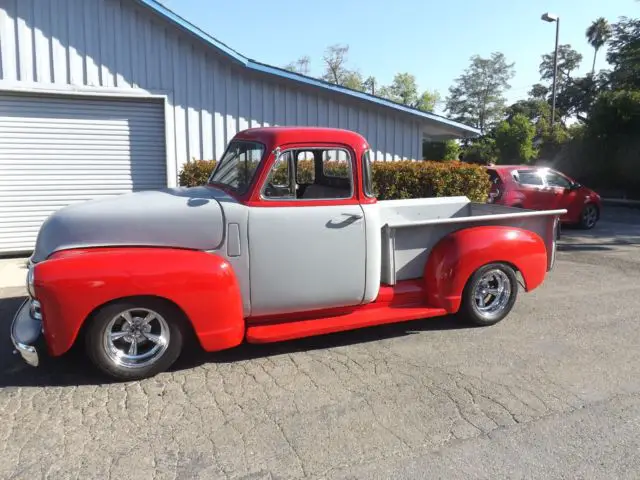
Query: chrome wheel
(589, 216)
(492, 293)
(136, 338)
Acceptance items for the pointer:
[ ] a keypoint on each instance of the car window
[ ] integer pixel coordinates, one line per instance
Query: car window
(554, 179)
(320, 173)
(368, 174)
(279, 182)
(336, 163)
(494, 178)
(238, 165)
(528, 177)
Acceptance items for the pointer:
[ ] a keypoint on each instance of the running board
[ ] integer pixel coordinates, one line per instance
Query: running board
(359, 318)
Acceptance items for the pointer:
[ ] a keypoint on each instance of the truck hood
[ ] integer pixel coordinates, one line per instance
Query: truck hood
(190, 218)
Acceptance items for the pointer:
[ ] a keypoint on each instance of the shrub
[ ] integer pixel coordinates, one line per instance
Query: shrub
(392, 180)
(196, 172)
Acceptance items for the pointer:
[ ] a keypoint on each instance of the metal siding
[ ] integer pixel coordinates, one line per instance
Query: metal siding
(119, 44)
(58, 151)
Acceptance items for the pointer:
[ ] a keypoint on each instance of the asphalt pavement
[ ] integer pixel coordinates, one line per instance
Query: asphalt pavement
(553, 391)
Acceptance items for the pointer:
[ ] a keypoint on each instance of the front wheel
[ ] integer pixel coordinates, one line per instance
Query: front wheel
(134, 339)
(489, 294)
(589, 216)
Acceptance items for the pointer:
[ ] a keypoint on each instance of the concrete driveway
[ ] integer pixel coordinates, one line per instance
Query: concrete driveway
(553, 391)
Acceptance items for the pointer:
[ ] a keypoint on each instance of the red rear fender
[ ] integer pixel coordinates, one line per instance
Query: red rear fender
(454, 259)
(72, 284)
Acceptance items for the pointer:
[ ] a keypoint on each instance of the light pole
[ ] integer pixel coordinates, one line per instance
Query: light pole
(547, 17)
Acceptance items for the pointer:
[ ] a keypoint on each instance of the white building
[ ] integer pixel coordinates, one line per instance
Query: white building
(100, 97)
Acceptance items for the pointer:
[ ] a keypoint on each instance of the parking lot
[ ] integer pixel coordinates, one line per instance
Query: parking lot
(552, 391)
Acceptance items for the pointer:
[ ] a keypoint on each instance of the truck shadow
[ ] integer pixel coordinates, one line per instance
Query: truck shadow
(73, 369)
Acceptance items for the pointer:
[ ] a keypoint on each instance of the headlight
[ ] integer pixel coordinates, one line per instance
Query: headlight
(30, 288)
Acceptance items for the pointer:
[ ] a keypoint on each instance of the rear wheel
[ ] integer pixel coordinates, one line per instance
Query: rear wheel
(489, 294)
(134, 339)
(589, 216)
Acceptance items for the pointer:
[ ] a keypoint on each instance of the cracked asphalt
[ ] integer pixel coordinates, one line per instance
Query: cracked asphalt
(553, 391)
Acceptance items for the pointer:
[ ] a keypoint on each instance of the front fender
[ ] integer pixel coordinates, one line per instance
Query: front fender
(454, 259)
(71, 284)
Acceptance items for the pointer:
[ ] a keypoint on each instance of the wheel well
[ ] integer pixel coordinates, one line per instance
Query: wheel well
(517, 271)
(181, 316)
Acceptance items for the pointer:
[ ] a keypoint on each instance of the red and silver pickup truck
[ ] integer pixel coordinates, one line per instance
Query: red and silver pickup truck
(287, 240)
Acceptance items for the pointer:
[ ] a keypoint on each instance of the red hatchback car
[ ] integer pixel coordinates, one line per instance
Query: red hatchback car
(542, 188)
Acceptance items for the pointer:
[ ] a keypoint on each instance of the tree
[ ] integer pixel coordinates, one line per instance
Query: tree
(353, 79)
(404, 90)
(299, 66)
(481, 150)
(446, 150)
(568, 60)
(571, 93)
(335, 58)
(428, 101)
(477, 97)
(616, 113)
(539, 92)
(514, 140)
(624, 53)
(597, 35)
(369, 85)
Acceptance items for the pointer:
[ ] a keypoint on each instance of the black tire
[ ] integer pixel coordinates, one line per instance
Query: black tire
(470, 312)
(98, 351)
(589, 216)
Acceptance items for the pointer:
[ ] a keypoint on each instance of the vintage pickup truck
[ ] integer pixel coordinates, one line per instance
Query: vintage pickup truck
(287, 240)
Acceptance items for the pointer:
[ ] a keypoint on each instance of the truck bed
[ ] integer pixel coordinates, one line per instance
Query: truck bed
(411, 228)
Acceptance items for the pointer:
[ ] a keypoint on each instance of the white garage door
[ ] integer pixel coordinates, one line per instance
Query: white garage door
(55, 151)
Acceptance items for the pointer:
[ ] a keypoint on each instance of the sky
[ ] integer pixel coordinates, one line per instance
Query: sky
(431, 40)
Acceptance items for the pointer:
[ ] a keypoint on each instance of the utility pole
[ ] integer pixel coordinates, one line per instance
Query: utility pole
(547, 17)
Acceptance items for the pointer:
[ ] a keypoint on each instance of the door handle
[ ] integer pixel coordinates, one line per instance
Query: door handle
(356, 216)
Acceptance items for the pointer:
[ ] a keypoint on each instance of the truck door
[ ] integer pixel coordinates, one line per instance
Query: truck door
(307, 239)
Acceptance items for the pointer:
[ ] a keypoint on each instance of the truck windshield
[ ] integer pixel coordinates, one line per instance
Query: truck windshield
(238, 165)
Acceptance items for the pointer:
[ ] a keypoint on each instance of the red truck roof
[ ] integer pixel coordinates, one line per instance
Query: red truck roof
(284, 135)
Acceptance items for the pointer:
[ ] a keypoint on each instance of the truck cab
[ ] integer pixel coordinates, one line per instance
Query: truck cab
(306, 192)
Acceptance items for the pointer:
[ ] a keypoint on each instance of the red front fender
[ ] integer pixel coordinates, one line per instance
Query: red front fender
(454, 259)
(72, 284)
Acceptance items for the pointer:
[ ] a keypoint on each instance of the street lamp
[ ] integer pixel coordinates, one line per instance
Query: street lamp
(548, 17)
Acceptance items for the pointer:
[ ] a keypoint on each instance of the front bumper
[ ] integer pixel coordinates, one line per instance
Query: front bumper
(26, 333)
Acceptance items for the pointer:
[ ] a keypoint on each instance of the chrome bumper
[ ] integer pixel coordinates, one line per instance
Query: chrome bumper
(26, 333)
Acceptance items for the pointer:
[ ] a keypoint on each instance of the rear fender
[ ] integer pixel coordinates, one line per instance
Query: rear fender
(454, 259)
(72, 284)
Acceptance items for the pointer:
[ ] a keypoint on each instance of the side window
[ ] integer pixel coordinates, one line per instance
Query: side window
(556, 180)
(528, 177)
(279, 182)
(336, 163)
(334, 176)
(368, 174)
(305, 171)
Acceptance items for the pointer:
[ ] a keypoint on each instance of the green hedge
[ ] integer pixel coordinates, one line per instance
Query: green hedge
(392, 180)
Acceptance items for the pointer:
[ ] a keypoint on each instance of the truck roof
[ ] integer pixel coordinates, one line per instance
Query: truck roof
(293, 134)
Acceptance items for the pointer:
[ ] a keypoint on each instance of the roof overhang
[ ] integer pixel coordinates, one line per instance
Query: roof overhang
(434, 126)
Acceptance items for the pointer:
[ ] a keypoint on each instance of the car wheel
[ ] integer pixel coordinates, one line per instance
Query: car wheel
(489, 294)
(589, 216)
(134, 339)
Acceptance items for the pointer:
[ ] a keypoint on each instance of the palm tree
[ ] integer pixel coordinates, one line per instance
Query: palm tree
(597, 34)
